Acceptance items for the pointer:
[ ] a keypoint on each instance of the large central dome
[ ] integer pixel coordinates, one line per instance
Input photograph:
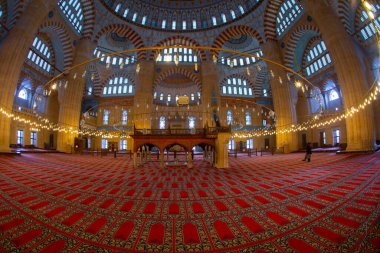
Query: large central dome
(185, 15)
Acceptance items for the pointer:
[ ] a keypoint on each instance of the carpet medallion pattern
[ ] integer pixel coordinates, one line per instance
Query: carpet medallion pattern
(72, 203)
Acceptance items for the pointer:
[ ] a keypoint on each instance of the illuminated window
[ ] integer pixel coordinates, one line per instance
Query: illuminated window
(229, 117)
(169, 98)
(336, 136)
(265, 92)
(191, 122)
(241, 9)
(264, 122)
(118, 86)
(323, 135)
(174, 25)
(181, 54)
(214, 20)
(333, 95)
(123, 144)
(317, 58)
(20, 137)
(106, 115)
(124, 117)
(163, 24)
(241, 61)
(250, 143)
(134, 17)
(39, 54)
(231, 144)
(33, 138)
(248, 119)
(162, 97)
(224, 19)
(183, 25)
(368, 26)
(114, 61)
(162, 122)
(143, 21)
(233, 16)
(104, 143)
(288, 14)
(73, 12)
(236, 86)
(194, 24)
(23, 94)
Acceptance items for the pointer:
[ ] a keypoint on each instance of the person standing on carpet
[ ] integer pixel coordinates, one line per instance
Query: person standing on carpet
(308, 152)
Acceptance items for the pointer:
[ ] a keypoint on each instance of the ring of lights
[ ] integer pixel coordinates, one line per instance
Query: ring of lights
(51, 84)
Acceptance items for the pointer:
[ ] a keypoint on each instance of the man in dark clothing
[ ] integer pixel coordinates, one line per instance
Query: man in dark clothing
(308, 152)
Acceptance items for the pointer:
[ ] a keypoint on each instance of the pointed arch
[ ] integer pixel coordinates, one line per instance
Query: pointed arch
(61, 40)
(176, 70)
(88, 8)
(178, 40)
(293, 41)
(270, 16)
(125, 31)
(235, 31)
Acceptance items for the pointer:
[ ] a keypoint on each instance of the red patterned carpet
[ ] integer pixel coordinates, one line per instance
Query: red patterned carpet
(70, 203)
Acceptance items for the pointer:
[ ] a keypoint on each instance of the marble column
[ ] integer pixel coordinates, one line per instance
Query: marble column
(349, 67)
(283, 102)
(13, 52)
(70, 97)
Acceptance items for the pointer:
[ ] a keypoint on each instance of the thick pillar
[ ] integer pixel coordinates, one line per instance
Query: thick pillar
(70, 98)
(162, 160)
(221, 145)
(349, 66)
(144, 95)
(284, 106)
(210, 95)
(13, 52)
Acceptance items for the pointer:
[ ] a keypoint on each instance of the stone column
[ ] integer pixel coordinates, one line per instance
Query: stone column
(210, 95)
(70, 98)
(349, 66)
(189, 161)
(162, 160)
(13, 52)
(144, 95)
(283, 103)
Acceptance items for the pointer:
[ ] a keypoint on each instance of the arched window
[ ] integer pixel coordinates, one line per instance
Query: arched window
(180, 54)
(333, 95)
(162, 122)
(241, 61)
(191, 122)
(169, 98)
(162, 97)
(23, 94)
(229, 117)
(248, 119)
(224, 19)
(114, 61)
(106, 115)
(214, 21)
(73, 12)
(233, 16)
(124, 117)
(317, 58)
(39, 54)
(236, 87)
(155, 95)
(241, 9)
(288, 14)
(118, 86)
(366, 24)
